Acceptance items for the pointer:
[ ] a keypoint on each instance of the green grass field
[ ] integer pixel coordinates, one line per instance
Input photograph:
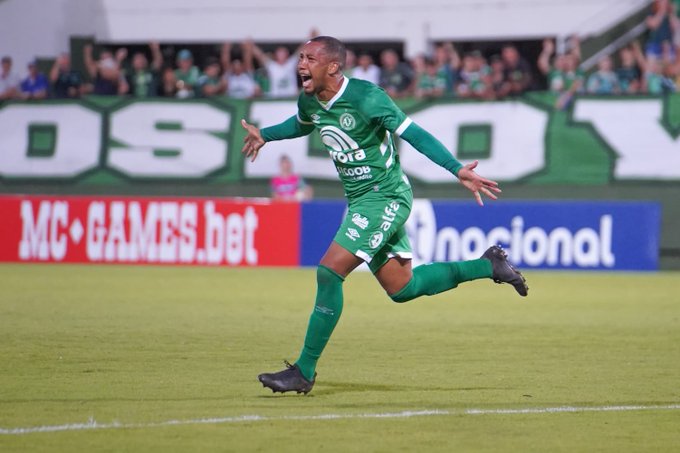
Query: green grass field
(134, 348)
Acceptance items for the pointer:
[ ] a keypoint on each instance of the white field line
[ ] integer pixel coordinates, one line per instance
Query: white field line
(93, 424)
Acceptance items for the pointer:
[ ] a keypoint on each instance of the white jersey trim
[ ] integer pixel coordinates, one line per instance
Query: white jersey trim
(363, 255)
(404, 255)
(329, 104)
(403, 126)
(300, 120)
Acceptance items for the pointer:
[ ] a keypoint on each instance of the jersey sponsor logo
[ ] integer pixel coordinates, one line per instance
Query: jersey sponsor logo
(389, 215)
(375, 240)
(359, 220)
(352, 233)
(315, 118)
(347, 121)
(337, 140)
(342, 157)
(358, 173)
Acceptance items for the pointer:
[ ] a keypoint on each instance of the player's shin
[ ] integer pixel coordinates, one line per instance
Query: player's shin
(325, 316)
(434, 278)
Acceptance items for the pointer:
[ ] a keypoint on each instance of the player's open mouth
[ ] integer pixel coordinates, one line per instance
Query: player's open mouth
(306, 80)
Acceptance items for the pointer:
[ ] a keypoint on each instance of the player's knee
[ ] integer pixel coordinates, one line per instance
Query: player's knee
(326, 276)
(404, 294)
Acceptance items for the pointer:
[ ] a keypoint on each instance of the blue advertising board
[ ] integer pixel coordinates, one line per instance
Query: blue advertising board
(536, 234)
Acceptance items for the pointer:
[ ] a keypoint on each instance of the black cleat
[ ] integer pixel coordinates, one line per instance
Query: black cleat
(503, 271)
(290, 379)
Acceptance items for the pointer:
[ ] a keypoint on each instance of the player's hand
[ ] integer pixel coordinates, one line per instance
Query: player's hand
(253, 141)
(476, 184)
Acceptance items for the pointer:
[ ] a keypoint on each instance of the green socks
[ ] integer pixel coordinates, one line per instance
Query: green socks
(325, 316)
(430, 279)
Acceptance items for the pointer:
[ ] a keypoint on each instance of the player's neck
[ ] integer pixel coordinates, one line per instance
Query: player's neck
(332, 89)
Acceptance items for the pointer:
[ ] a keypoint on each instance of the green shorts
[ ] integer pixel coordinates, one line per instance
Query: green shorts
(373, 228)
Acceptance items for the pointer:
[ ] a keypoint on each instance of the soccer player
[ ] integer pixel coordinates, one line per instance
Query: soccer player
(358, 121)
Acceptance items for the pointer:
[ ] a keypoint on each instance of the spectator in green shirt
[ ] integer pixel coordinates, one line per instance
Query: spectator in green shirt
(143, 79)
(186, 74)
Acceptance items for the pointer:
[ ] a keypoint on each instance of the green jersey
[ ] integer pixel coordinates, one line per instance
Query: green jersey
(357, 127)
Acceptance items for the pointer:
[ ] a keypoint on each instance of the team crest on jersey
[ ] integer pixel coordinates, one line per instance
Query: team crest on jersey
(315, 118)
(347, 121)
(375, 240)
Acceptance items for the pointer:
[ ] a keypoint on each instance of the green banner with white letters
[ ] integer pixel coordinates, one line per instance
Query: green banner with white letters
(143, 144)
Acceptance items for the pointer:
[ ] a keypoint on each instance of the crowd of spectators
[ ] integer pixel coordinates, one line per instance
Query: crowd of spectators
(246, 71)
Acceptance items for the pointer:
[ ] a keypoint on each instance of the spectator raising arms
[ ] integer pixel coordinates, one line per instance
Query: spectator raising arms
(565, 78)
(35, 85)
(239, 75)
(9, 81)
(632, 65)
(142, 79)
(105, 72)
(661, 23)
(281, 69)
(66, 82)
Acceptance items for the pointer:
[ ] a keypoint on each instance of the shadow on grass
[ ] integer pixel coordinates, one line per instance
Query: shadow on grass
(333, 388)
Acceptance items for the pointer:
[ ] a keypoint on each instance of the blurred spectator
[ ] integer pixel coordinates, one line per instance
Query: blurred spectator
(35, 85)
(168, 86)
(186, 74)
(366, 70)
(395, 77)
(658, 78)
(447, 60)
(499, 86)
(106, 73)
(281, 71)
(430, 83)
(661, 24)
(565, 78)
(9, 81)
(238, 74)
(210, 83)
(66, 82)
(517, 71)
(350, 63)
(629, 72)
(288, 186)
(473, 77)
(574, 79)
(604, 80)
(142, 79)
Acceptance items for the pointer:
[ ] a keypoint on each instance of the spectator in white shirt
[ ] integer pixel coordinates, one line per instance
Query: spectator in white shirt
(281, 71)
(9, 81)
(366, 70)
(239, 74)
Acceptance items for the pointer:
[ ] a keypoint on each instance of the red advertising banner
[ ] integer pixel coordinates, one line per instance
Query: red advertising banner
(203, 231)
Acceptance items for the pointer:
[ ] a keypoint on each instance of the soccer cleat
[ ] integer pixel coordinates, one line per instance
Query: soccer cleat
(290, 379)
(503, 271)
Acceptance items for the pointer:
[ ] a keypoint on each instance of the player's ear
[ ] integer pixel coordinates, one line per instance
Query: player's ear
(333, 68)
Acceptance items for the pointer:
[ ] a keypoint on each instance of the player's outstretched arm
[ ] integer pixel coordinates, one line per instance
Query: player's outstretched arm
(252, 142)
(255, 139)
(428, 145)
(476, 184)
